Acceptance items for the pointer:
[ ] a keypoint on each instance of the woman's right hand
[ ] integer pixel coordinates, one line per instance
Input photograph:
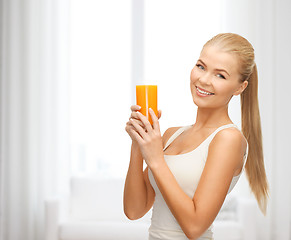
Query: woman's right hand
(129, 127)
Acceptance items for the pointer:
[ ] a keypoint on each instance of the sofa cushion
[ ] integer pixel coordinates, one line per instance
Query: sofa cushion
(227, 230)
(96, 199)
(106, 230)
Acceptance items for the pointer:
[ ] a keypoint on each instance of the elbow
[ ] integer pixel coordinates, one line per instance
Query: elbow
(134, 212)
(193, 232)
(131, 215)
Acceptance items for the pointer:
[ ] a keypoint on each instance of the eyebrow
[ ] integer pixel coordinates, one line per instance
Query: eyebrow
(222, 70)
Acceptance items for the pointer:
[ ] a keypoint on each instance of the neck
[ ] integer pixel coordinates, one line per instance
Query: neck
(212, 118)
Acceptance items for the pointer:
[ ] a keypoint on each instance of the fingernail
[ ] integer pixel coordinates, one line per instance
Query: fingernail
(139, 107)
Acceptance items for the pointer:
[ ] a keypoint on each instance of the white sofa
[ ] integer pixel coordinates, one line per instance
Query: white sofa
(95, 212)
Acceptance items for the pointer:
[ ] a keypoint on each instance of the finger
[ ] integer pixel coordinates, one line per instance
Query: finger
(138, 121)
(134, 115)
(159, 114)
(129, 127)
(155, 119)
(135, 107)
(145, 122)
(135, 135)
(139, 129)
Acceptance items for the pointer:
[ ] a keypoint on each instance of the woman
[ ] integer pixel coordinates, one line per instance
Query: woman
(191, 169)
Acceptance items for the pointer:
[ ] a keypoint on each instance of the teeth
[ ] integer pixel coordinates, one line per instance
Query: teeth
(203, 92)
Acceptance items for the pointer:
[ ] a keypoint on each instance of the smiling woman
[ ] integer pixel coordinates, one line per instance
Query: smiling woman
(187, 165)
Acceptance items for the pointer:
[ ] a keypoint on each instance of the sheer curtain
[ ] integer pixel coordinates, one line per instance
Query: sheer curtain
(34, 113)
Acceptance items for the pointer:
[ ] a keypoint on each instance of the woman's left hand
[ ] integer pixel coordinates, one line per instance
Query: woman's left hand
(149, 138)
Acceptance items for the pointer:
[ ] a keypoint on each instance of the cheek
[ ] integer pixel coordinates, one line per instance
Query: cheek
(224, 89)
(194, 75)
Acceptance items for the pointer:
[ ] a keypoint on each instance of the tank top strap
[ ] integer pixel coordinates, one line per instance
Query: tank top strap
(212, 135)
(175, 135)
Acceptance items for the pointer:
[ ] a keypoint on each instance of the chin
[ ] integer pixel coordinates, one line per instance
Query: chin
(201, 103)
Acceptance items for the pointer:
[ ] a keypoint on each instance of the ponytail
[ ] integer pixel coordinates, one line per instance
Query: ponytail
(251, 122)
(251, 128)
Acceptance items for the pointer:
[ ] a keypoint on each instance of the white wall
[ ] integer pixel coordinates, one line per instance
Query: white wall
(281, 85)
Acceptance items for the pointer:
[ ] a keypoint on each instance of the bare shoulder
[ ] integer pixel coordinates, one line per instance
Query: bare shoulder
(230, 141)
(230, 137)
(168, 133)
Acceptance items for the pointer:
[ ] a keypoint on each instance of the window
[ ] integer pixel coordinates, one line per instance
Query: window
(100, 86)
(173, 31)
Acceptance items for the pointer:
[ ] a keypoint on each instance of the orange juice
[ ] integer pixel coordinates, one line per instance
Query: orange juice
(147, 97)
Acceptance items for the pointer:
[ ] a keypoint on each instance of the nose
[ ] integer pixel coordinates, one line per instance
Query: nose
(205, 78)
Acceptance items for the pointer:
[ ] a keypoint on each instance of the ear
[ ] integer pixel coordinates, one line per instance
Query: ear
(241, 88)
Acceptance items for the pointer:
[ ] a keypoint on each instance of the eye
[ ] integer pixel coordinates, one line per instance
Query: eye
(200, 66)
(220, 76)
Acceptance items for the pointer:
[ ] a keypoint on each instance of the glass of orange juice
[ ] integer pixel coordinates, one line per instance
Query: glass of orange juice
(147, 97)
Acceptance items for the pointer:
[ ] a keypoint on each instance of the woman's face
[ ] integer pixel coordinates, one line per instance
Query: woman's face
(215, 78)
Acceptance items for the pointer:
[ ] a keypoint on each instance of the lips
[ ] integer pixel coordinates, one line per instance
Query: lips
(204, 92)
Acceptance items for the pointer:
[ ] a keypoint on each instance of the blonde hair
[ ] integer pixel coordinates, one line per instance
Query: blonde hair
(250, 115)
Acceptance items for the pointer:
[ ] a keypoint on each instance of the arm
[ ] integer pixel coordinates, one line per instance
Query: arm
(138, 192)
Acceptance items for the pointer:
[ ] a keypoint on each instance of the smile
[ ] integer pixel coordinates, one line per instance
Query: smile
(203, 92)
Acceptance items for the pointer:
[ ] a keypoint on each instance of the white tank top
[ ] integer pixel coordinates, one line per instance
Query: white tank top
(187, 168)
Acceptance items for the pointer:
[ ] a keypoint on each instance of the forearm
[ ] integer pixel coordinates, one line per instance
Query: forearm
(135, 192)
(180, 204)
